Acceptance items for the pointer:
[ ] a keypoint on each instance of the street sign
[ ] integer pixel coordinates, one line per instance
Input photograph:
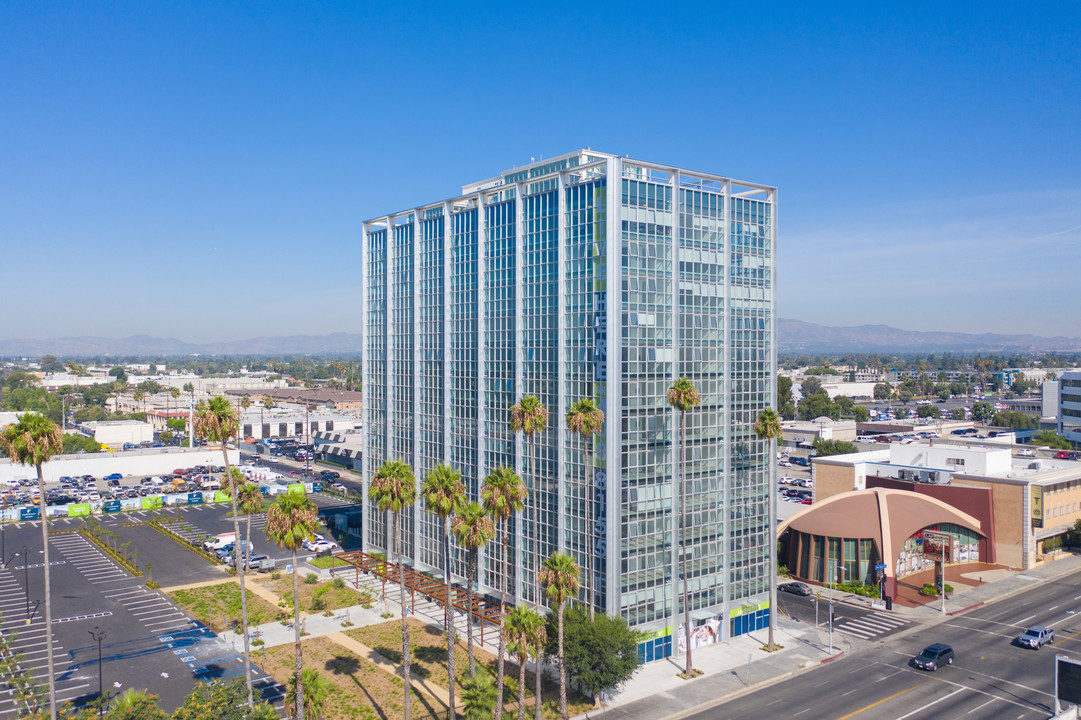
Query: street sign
(110, 506)
(317, 486)
(28, 514)
(195, 498)
(880, 566)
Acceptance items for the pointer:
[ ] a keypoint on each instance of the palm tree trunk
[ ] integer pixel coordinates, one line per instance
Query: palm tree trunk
(498, 713)
(589, 529)
(405, 626)
(298, 663)
(451, 669)
(562, 668)
(48, 595)
(772, 544)
(521, 682)
(538, 708)
(240, 554)
(469, 616)
(689, 667)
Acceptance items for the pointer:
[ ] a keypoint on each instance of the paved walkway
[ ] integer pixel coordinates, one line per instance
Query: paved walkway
(740, 666)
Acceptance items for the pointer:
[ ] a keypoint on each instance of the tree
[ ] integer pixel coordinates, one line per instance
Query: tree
(904, 395)
(119, 387)
(504, 496)
(585, 419)
(601, 654)
(786, 406)
(250, 499)
(316, 691)
(50, 364)
(176, 424)
(33, 440)
(768, 427)
(119, 373)
(560, 576)
(1015, 420)
(135, 704)
(1051, 439)
(928, 411)
(683, 396)
(883, 391)
(818, 405)
(525, 636)
(810, 386)
(957, 413)
(982, 411)
(861, 414)
(291, 521)
(165, 436)
(833, 447)
(443, 491)
(393, 488)
(478, 696)
(942, 392)
(140, 397)
(473, 530)
(216, 421)
(220, 700)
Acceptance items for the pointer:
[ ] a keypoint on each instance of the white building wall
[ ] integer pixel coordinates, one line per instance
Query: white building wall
(156, 461)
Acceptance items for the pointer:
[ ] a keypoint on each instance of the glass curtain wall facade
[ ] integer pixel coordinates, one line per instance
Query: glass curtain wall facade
(586, 276)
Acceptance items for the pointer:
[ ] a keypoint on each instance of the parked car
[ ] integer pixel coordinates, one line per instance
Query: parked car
(934, 656)
(1025, 452)
(263, 563)
(338, 487)
(114, 476)
(329, 475)
(796, 588)
(1063, 455)
(1036, 637)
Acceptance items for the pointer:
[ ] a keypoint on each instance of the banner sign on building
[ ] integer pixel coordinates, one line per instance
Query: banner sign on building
(1037, 506)
(936, 546)
(151, 503)
(110, 506)
(29, 514)
(78, 509)
(195, 498)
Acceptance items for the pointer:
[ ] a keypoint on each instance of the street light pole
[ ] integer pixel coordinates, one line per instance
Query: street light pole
(98, 634)
(26, 579)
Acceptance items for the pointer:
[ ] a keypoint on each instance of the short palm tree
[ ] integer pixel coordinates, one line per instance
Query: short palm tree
(443, 492)
(525, 636)
(32, 441)
(216, 421)
(119, 387)
(473, 530)
(478, 696)
(504, 496)
(586, 419)
(135, 704)
(317, 689)
(393, 488)
(529, 417)
(683, 396)
(768, 427)
(291, 521)
(560, 575)
(140, 397)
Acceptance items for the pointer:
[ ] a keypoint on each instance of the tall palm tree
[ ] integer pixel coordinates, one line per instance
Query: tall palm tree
(119, 387)
(174, 393)
(245, 403)
(683, 396)
(443, 492)
(216, 421)
(393, 488)
(529, 417)
(32, 441)
(473, 530)
(268, 404)
(586, 419)
(560, 575)
(250, 499)
(291, 521)
(768, 427)
(317, 689)
(504, 496)
(140, 397)
(525, 636)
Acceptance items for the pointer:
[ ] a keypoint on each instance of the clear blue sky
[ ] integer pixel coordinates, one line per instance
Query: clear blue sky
(174, 169)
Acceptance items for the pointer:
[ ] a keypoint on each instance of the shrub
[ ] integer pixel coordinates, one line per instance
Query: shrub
(276, 575)
(318, 603)
(338, 583)
(928, 589)
(311, 579)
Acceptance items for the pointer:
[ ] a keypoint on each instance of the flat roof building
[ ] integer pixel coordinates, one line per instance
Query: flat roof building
(588, 275)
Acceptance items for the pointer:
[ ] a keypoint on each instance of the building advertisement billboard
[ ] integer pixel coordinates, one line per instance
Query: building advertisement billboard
(936, 546)
(1036, 504)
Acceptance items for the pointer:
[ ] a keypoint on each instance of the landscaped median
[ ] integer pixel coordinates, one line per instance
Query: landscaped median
(218, 605)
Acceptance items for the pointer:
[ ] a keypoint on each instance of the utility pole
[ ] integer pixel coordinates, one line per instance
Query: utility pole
(98, 634)
(26, 579)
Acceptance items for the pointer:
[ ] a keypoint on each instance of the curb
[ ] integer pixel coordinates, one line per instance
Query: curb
(831, 658)
(964, 610)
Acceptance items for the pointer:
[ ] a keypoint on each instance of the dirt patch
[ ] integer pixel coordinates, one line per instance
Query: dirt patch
(316, 597)
(219, 605)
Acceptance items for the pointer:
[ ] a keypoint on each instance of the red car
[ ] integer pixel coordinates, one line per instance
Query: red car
(1063, 455)
(180, 471)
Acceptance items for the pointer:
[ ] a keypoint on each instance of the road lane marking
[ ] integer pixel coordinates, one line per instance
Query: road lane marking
(981, 706)
(1022, 622)
(933, 702)
(885, 699)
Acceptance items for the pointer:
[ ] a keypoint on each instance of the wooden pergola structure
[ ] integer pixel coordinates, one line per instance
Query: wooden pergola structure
(479, 609)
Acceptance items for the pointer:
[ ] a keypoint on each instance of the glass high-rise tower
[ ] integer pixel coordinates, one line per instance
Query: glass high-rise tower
(586, 276)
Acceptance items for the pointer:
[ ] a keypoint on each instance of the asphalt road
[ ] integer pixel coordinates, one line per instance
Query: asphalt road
(991, 677)
(852, 620)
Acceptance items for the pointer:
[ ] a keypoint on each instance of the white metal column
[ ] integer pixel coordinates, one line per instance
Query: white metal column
(417, 470)
(726, 419)
(388, 364)
(448, 235)
(365, 415)
(482, 232)
(561, 367)
(613, 515)
(673, 415)
(519, 359)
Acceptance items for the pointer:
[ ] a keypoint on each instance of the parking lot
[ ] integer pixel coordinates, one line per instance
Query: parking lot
(150, 642)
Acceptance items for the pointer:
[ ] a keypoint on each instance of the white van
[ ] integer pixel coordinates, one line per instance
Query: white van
(220, 541)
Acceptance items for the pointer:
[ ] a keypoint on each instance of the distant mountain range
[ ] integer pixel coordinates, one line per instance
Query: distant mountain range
(796, 336)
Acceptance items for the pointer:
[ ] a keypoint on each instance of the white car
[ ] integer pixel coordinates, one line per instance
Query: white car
(1026, 453)
(324, 546)
(314, 540)
(786, 480)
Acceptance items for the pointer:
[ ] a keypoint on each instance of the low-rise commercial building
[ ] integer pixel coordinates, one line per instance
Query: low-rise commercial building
(117, 433)
(1069, 406)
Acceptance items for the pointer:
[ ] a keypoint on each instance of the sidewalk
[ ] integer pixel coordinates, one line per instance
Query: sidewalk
(739, 665)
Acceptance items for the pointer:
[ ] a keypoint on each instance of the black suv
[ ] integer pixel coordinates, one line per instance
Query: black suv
(933, 656)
